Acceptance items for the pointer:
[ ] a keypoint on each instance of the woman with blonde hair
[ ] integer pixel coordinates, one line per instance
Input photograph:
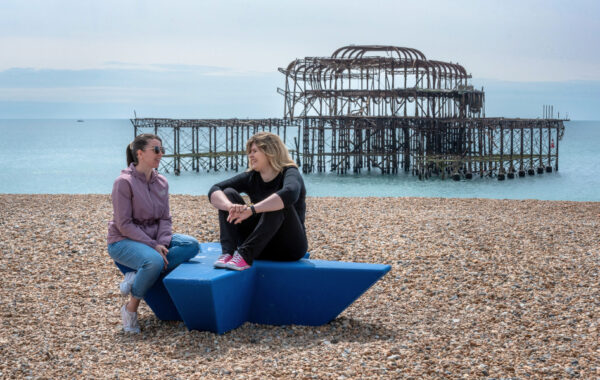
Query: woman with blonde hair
(271, 227)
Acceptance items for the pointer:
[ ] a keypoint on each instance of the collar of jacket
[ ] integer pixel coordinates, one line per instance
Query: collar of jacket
(139, 175)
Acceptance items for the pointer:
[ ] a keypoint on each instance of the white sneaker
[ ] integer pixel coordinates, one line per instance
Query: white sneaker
(127, 283)
(130, 322)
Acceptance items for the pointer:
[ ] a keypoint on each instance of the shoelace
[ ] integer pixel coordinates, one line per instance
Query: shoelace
(236, 259)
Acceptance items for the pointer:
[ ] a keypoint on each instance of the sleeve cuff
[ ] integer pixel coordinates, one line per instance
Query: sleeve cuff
(165, 241)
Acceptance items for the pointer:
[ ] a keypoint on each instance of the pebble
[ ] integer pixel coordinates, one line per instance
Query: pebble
(478, 288)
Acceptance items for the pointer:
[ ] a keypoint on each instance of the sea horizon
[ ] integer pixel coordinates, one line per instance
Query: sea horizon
(71, 157)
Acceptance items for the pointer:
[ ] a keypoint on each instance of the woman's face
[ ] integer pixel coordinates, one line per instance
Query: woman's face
(258, 159)
(148, 157)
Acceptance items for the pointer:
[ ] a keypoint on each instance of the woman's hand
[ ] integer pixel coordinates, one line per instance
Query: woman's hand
(238, 213)
(235, 208)
(164, 251)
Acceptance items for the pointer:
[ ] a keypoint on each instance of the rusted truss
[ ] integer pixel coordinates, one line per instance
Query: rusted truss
(378, 81)
(209, 144)
(424, 146)
(427, 147)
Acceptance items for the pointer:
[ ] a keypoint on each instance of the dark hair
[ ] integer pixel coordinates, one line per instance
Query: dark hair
(139, 143)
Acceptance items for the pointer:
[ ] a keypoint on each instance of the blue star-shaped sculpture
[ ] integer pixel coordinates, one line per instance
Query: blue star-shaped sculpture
(304, 292)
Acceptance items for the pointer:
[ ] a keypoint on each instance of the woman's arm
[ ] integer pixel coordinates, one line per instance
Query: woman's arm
(123, 211)
(288, 195)
(220, 201)
(292, 186)
(239, 213)
(165, 223)
(217, 197)
(271, 203)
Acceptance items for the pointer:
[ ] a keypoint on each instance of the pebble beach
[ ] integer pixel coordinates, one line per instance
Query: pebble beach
(479, 288)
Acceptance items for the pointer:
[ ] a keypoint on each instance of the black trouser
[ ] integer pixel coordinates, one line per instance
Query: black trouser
(275, 235)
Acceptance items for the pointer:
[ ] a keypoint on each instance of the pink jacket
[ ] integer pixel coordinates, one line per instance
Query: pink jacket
(140, 209)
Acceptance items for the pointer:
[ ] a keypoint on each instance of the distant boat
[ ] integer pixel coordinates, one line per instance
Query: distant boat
(79, 120)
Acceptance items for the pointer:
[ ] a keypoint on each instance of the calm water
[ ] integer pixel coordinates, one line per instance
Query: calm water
(64, 156)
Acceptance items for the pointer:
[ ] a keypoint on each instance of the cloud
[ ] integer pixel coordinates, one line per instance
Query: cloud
(82, 94)
(197, 91)
(159, 90)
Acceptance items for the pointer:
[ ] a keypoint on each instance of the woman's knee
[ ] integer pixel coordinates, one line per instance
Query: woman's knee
(194, 247)
(153, 263)
(298, 250)
(189, 245)
(182, 249)
(184, 241)
(233, 195)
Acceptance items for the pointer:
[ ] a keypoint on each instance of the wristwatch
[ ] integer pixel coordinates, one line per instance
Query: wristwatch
(252, 209)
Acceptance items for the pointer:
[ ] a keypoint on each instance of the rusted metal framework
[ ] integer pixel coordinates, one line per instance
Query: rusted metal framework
(382, 108)
(444, 147)
(208, 144)
(384, 81)
(390, 108)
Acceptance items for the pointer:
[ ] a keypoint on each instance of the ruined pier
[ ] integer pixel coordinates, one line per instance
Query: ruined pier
(381, 108)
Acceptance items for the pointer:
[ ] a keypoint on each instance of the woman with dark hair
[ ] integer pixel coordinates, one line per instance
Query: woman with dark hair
(271, 227)
(139, 235)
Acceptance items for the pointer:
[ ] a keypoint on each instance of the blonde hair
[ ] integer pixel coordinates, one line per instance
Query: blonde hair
(272, 146)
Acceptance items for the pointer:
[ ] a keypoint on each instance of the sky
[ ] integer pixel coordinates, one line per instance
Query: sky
(204, 59)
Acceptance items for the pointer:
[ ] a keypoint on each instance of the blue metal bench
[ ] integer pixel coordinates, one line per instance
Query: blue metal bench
(304, 292)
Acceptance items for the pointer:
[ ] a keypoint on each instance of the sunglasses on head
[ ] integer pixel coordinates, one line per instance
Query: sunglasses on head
(158, 149)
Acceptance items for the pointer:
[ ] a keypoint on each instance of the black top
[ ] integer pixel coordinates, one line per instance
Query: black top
(288, 185)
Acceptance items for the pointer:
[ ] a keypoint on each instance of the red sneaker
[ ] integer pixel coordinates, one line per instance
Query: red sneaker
(237, 262)
(223, 260)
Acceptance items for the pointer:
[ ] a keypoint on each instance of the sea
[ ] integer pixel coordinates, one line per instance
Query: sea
(59, 156)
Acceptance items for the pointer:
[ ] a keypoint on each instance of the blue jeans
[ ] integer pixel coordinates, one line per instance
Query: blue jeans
(148, 262)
